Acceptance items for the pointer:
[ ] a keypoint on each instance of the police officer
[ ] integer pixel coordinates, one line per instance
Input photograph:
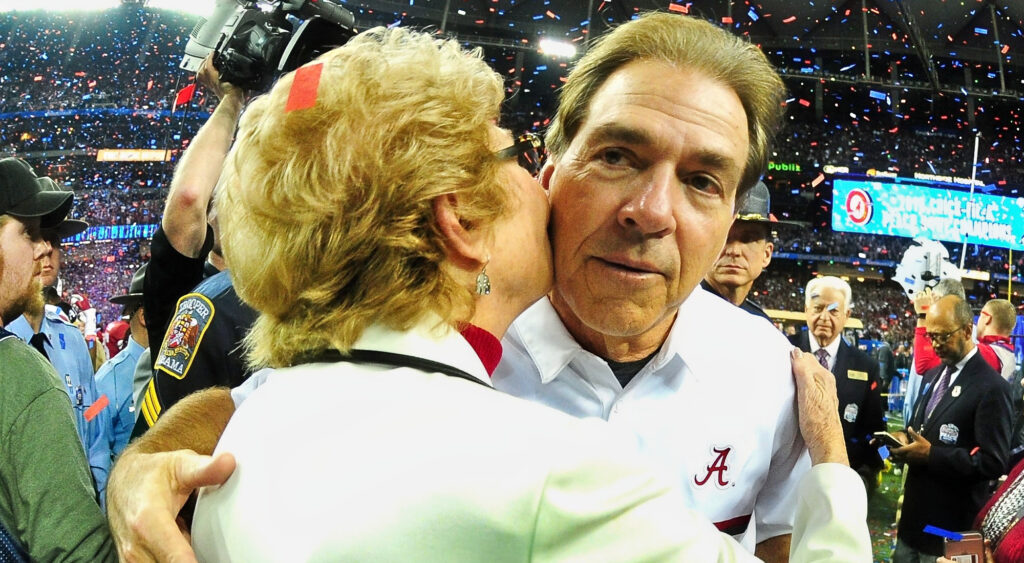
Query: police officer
(747, 251)
(115, 379)
(201, 348)
(44, 327)
(199, 327)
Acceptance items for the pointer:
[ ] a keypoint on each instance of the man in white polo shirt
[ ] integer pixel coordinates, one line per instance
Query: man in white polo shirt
(663, 126)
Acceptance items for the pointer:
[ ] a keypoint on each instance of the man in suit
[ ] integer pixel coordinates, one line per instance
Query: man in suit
(963, 421)
(828, 303)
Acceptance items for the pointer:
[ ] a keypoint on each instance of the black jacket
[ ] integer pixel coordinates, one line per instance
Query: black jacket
(201, 348)
(861, 408)
(969, 431)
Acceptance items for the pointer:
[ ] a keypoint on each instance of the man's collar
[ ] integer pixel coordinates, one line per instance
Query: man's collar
(546, 339)
(996, 338)
(134, 347)
(967, 357)
(832, 348)
(551, 347)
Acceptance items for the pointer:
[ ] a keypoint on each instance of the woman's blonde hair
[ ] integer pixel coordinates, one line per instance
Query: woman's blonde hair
(685, 42)
(326, 213)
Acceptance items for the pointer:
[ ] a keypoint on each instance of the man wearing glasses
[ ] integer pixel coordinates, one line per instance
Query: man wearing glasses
(957, 440)
(828, 303)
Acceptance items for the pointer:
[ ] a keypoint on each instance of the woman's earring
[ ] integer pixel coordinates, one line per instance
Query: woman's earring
(483, 283)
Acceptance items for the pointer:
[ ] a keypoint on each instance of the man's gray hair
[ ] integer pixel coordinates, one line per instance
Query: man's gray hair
(949, 286)
(815, 286)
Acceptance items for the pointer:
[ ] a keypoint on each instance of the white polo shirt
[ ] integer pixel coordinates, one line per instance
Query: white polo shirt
(715, 407)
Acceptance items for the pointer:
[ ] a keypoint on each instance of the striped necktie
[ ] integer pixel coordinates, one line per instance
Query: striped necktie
(822, 357)
(940, 389)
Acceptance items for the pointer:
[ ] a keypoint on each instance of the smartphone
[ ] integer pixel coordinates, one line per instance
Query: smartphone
(888, 439)
(970, 549)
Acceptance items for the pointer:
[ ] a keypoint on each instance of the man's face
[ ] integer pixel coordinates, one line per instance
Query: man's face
(826, 315)
(51, 261)
(22, 247)
(746, 254)
(643, 197)
(951, 342)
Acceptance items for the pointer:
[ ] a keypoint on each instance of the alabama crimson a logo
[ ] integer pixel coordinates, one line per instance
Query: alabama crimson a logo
(859, 207)
(715, 472)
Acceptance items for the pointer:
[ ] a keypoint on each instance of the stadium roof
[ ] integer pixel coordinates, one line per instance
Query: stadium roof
(976, 30)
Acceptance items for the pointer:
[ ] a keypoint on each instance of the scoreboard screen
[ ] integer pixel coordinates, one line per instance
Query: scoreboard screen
(933, 212)
(114, 232)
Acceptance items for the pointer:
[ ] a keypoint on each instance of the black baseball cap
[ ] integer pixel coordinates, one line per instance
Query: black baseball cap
(22, 196)
(68, 227)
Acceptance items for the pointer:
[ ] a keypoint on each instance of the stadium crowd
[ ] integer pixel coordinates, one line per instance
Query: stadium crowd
(71, 88)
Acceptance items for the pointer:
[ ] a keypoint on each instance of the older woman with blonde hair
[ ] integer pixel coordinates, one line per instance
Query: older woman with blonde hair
(388, 234)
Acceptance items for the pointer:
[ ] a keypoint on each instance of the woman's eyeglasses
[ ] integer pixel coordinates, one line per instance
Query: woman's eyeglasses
(528, 151)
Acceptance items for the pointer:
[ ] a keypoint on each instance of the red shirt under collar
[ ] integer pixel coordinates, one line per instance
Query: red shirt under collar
(486, 346)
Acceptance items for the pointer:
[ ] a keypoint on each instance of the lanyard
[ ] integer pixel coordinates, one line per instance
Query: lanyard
(356, 356)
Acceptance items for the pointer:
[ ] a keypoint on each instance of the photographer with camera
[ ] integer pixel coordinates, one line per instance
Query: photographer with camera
(186, 250)
(242, 49)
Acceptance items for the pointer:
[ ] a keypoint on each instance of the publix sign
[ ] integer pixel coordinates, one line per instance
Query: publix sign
(783, 167)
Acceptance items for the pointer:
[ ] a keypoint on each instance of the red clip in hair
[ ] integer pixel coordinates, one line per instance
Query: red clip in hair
(304, 85)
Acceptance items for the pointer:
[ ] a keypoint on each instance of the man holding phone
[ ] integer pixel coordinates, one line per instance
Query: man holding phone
(958, 439)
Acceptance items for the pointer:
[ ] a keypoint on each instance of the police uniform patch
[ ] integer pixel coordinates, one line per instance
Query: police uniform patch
(184, 335)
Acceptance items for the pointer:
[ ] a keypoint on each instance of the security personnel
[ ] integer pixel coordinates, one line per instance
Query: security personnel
(62, 343)
(201, 348)
(198, 340)
(747, 251)
(115, 378)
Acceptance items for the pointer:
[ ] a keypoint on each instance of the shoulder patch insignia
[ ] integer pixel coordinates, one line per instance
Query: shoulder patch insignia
(189, 324)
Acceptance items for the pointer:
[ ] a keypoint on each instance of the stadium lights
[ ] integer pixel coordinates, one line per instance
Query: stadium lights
(197, 7)
(61, 6)
(557, 48)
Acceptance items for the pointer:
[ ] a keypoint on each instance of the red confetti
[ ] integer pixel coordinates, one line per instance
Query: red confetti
(727, 20)
(96, 408)
(805, 103)
(678, 8)
(790, 19)
(818, 180)
(302, 94)
(184, 96)
(1005, 49)
(975, 450)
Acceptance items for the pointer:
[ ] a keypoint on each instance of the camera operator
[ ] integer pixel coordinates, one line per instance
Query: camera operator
(186, 250)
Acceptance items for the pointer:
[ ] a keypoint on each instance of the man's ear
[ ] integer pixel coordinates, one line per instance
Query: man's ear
(465, 246)
(769, 248)
(142, 316)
